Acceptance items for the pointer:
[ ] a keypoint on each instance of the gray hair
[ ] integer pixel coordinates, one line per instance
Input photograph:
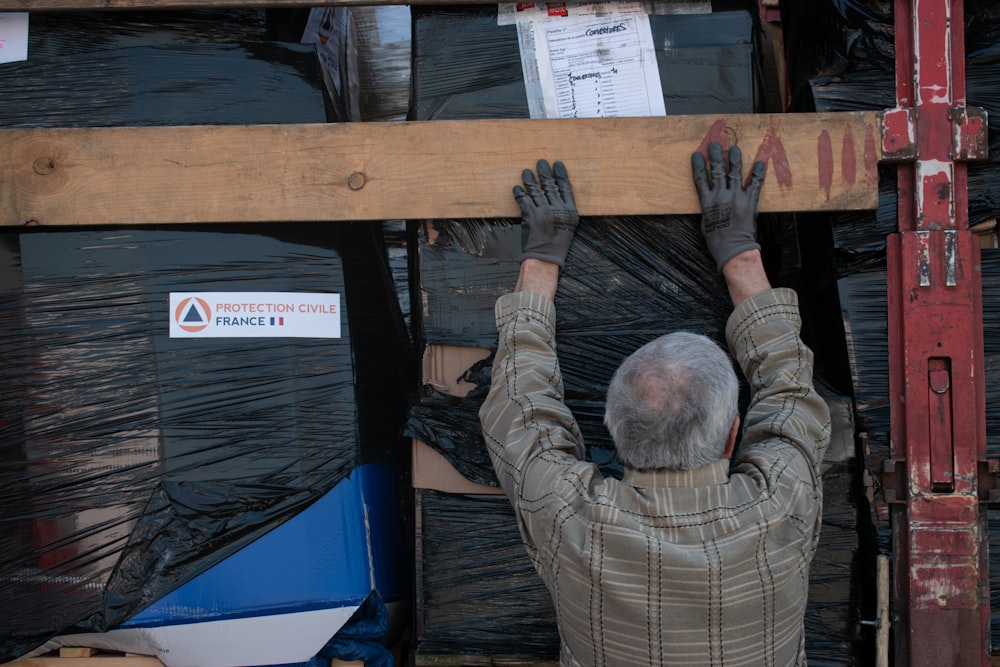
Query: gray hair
(671, 403)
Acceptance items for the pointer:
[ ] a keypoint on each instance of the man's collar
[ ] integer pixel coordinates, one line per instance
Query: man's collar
(713, 473)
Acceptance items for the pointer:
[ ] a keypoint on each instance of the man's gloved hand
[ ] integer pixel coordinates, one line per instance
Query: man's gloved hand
(728, 210)
(548, 213)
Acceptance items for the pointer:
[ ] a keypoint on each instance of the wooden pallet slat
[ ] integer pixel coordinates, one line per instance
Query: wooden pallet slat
(86, 657)
(418, 170)
(95, 5)
(446, 660)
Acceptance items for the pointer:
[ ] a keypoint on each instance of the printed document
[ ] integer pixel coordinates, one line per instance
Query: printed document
(588, 60)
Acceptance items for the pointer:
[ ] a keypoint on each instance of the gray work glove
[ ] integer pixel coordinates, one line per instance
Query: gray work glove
(728, 210)
(548, 213)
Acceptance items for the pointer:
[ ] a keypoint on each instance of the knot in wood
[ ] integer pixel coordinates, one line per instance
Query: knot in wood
(356, 181)
(44, 165)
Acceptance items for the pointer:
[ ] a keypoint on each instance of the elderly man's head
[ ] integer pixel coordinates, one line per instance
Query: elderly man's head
(673, 404)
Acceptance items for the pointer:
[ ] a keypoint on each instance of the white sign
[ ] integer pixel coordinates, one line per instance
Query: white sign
(588, 60)
(254, 315)
(13, 36)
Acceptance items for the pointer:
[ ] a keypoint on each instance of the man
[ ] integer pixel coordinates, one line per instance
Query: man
(688, 560)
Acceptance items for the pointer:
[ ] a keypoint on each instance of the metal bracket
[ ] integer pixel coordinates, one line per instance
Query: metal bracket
(989, 482)
(894, 480)
(899, 135)
(895, 486)
(970, 141)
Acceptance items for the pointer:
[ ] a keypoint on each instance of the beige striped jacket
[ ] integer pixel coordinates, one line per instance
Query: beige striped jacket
(704, 567)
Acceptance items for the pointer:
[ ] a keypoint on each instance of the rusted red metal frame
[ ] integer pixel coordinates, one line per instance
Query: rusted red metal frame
(939, 473)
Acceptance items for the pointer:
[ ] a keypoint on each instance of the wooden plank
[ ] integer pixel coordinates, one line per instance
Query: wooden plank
(100, 660)
(418, 170)
(93, 5)
(458, 660)
(882, 638)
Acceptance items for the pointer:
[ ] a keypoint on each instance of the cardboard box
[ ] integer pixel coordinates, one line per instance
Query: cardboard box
(444, 368)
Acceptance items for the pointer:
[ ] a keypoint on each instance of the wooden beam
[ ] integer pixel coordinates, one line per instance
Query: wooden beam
(93, 661)
(77, 652)
(418, 170)
(100, 5)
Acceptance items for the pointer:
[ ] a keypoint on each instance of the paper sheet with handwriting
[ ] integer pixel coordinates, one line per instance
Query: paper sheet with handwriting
(589, 60)
(13, 36)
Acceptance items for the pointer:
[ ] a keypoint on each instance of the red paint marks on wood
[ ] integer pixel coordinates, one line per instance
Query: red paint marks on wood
(871, 158)
(773, 151)
(848, 161)
(824, 157)
(717, 132)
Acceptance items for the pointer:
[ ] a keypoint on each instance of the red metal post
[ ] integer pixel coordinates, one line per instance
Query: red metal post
(941, 583)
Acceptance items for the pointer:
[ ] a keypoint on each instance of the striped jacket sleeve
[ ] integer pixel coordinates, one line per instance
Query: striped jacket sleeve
(763, 335)
(529, 431)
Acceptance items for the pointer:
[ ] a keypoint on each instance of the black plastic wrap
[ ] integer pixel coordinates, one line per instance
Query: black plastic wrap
(131, 462)
(466, 66)
(383, 36)
(67, 33)
(442, 421)
(139, 69)
(477, 592)
(837, 570)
